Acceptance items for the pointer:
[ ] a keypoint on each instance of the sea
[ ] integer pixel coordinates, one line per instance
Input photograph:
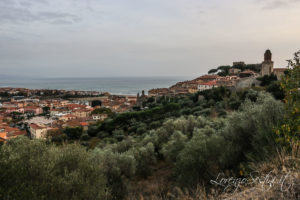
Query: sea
(113, 85)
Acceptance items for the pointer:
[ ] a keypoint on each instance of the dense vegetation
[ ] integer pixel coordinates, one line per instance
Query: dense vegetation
(214, 103)
(193, 137)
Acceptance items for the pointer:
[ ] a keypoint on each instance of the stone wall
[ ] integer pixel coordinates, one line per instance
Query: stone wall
(247, 82)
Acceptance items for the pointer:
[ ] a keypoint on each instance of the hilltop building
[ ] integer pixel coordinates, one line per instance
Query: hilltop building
(239, 76)
(279, 72)
(267, 67)
(268, 64)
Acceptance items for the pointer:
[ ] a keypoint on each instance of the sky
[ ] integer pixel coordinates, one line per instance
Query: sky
(105, 38)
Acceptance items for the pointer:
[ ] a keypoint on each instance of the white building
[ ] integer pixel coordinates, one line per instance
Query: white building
(207, 85)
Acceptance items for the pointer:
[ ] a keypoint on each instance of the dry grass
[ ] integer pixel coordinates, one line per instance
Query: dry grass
(286, 162)
(285, 170)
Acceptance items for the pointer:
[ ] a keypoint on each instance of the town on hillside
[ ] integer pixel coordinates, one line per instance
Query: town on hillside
(40, 113)
(235, 77)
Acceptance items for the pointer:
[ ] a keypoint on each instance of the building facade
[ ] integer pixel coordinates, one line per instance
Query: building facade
(268, 64)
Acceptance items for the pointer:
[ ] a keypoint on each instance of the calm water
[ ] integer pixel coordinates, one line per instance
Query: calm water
(114, 85)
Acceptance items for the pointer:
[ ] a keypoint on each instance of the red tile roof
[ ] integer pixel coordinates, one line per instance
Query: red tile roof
(35, 126)
(84, 124)
(209, 83)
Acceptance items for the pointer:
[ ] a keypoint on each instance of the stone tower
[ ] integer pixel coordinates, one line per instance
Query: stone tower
(267, 65)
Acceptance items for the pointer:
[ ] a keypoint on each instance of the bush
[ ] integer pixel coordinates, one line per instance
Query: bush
(145, 158)
(73, 133)
(199, 158)
(117, 167)
(85, 137)
(34, 170)
(249, 131)
(275, 89)
(172, 148)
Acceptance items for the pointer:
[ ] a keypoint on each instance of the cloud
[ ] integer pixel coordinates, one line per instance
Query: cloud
(22, 12)
(276, 4)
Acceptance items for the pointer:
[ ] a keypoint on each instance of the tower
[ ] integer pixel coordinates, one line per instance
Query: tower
(267, 64)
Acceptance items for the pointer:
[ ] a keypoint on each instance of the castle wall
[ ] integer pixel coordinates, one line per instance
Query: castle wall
(247, 82)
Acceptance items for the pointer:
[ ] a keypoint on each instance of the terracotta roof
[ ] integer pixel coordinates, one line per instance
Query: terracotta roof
(3, 135)
(209, 83)
(35, 126)
(32, 107)
(20, 133)
(69, 115)
(84, 124)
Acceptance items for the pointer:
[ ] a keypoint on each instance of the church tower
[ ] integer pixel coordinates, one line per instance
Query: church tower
(268, 65)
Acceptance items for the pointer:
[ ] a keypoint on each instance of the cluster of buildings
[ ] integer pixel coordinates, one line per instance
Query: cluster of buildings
(24, 92)
(235, 80)
(7, 132)
(36, 117)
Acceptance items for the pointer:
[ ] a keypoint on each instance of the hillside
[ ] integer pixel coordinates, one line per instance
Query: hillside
(213, 144)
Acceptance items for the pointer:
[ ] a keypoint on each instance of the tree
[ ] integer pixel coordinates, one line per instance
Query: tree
(172, 148)
(289, 131)
(52, 133)
(117, 169)
(145, 157)
(212, 71)
(46, 110)
(96, 103)
(199, 158)
(275, 89)
(224, 70)
(102, 111)
(267, 79)
(35, 170)
(73, 133)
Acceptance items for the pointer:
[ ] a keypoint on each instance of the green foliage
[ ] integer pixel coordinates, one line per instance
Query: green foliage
(289, 131)
(34, 170)
(193, 146)
(175, 144)
(200, 157)
(46, 110)
(250, 130)
(224, 70)
(218, 145)
(117, 168)
(216, 94)
(253, 67)
(212, 71)
(102, 111)
(145, 157)
(96, 103)
(85, 137)
(275, 89)
(73, 133)
(267, 79)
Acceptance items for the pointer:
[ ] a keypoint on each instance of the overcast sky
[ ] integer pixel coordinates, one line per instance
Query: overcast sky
(82, 38)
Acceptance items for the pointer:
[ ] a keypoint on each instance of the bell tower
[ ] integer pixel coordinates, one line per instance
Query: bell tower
(267, 65)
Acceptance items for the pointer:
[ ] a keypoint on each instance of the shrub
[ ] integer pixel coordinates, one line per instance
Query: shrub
(34, 170)
(172, 148)
(116, 168)
(249, 131)
(73, 133)
(85, 137)
(199, 158)
(145, 158)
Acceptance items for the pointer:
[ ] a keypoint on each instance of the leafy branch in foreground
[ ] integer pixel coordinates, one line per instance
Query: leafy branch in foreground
(289, 131)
